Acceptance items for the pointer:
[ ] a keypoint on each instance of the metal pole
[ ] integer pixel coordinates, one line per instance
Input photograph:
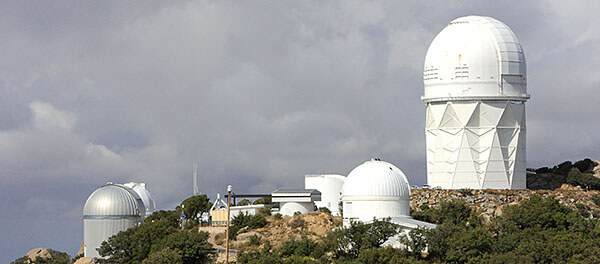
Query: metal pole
(227, 233)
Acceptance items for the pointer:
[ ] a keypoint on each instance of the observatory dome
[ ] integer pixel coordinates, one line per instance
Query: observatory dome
(475, 57)
(113, 200)
(140, 189)
(376, 178)
(109, 210)
(375, 189)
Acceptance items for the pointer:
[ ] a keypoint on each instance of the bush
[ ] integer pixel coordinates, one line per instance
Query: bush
(165, 256)
(193, 246)
(254, 240)
(233, 231)
(191, 224)
(220, 238)
(251, 221)
(325, 210)
(194, 206)
(465, 192)
(596, 199)
(349, 241)
(264, 211)
(264, 200)
(297, 222)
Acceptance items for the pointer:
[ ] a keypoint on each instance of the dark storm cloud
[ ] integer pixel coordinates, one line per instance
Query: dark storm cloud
(259, 94)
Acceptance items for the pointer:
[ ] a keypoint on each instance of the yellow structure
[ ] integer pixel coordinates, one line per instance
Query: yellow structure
(218, 217)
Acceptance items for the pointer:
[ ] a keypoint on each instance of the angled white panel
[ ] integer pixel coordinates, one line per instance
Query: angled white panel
(479, 144)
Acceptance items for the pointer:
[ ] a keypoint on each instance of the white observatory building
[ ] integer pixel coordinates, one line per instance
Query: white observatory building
(110, 209)
(475, 90)
(330, 186)
(378, 189)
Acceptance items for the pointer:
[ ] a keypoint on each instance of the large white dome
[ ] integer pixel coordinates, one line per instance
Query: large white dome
(475, 57)
(376, 178)
(114, 201)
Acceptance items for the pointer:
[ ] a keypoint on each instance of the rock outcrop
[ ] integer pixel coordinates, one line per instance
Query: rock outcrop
(490, 202)
(84, 260)
(596, 170)
(41, 253)
(314, 225)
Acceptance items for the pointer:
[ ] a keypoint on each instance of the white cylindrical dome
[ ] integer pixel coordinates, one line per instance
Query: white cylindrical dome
(475, 57)
(330, 186)
(140, 189)
(375, 189)
(108, 210)
(376, 178)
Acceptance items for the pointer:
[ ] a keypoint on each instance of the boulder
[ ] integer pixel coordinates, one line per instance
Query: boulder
(41, 253)
(84, 260)
(81, 249)
(247, 235)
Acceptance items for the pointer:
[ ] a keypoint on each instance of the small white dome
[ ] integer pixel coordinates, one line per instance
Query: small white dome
(114, 201)
(140, 189)
(475, 57)
(376, 178)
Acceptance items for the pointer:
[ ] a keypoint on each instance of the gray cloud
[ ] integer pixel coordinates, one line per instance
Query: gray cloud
(259, 94)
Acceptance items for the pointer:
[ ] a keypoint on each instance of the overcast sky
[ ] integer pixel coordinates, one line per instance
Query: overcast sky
(258, 93)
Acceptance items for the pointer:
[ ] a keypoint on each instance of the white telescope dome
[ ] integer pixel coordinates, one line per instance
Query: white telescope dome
(475, 57)
(140, 189)
(375, 189)
(113, 201)
(376, 178)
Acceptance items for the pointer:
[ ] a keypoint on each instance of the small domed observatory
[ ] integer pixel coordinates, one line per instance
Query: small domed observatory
(378, 189)
(475, 90)
(110, 209)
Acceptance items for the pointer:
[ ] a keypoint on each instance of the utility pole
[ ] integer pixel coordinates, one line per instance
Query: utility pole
(227, 236)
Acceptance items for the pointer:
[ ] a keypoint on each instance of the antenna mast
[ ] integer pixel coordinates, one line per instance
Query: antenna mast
(195, 179)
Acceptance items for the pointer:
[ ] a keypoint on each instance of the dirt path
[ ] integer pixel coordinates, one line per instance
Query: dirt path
(213, 231)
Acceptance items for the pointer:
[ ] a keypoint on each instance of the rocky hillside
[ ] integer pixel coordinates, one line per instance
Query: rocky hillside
(491, 202)
(313, 225)
(487, 203)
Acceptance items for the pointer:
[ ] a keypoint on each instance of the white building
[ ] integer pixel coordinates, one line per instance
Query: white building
(330, 186)
(140, 189)
(295, 200)
(251, 209)
(475, 91)
(378, 189)
(108, 210)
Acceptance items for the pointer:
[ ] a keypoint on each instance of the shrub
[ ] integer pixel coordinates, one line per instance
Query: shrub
(233, 231)
(165, 256)
(596, 199)
(254, 240)
(350, 241)
(297, 222)
(194, 206)
(251, 221)
(325, 210)
(465, 192)
(220, 238)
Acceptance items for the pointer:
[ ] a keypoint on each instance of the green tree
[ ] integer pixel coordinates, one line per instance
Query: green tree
(165, 256)
(244, 202)
(134, 245)
(264, 200)
(193, 246)
(244, 219)
(172, 217)
(350, 241)
(194, 206)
